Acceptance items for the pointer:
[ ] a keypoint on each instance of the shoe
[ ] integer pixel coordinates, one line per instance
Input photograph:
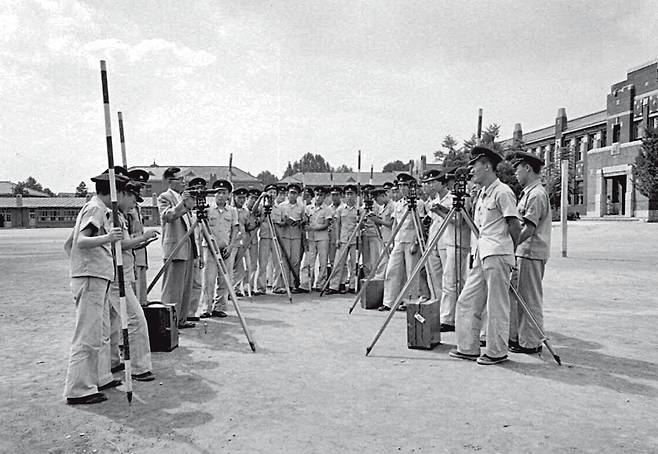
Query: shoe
(352, 291)
(219, 314)
(512, 344)
(303, 290)
(422, 299)
(485, 360)
(383, 308)
(205, 315)
(446, 328)
(186, 325)
(279, 291)
(402, 308)
(341, 288)
(194, 318)
(483, 343)
(112, 384)
(257, 293)
(331, 291)
(146, 376)
(118, 368)
(454, 353)
(295, 291)
(527, 350)
(86, 400)
(239, 294)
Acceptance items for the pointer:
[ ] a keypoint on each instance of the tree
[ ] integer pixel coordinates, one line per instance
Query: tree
(308, 163)
(449, 145)
(507, 174)
(553, 177)
(646, 165)
(267, 177)
(457, 158)
(30, 183)
(81, 190)
(20, 189)
(395, 166)
(343, 169)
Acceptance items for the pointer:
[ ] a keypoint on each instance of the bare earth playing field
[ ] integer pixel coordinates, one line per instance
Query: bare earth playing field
(309, 388)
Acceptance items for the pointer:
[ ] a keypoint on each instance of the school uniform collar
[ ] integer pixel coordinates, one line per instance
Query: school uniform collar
(486, 191)
(530, 187)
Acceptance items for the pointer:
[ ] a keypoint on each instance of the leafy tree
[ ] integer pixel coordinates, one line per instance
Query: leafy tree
(646, 165)
(457, 158)
(343, 169)
(553, 177)
(308, 163)
(81, 190)
(30, 183)
(395, 166)
(449, 145)
(507, 174)
(267, 177)
(20, 189)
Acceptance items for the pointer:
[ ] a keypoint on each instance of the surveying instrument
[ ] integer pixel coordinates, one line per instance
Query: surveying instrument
(462, 176)
(412, 210)
(197, 189)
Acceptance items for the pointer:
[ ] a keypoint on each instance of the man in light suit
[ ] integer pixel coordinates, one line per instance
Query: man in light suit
(174, 219)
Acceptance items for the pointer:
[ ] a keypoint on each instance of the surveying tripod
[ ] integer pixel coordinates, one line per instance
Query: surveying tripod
(412, 210)
(280, 254)
(201, 221)
(457, 207)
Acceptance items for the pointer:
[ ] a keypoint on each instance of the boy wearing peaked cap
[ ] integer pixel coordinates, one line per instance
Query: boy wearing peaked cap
(346, 221)
(317, 229)
(532, 254)
(291, 223)
(136, 226)
(268, 264)
(487, 284)
(91, 270)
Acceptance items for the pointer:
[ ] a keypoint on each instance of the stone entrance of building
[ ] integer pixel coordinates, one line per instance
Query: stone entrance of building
(615, 195)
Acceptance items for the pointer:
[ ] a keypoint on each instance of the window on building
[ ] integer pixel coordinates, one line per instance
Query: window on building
(635, 132)
(591, 138)
(654, 122)
(604, 137)
(6, 214)
(542, 152)
(616, 132)
(578, 155)
(579, 196)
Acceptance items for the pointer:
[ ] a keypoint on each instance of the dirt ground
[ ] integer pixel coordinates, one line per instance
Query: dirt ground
(309, 387)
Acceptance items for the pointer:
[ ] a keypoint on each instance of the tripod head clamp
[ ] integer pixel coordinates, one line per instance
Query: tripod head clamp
(267, 204)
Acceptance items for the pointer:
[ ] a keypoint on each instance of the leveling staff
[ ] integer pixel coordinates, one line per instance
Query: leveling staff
(531, 255)
(487, 285)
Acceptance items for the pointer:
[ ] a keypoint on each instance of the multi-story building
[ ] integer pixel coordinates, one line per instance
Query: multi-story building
(601, 148)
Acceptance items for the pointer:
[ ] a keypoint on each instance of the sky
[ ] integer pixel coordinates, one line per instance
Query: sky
(269, 82)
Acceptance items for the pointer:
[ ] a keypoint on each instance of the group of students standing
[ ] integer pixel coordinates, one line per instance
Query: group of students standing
(307, 238)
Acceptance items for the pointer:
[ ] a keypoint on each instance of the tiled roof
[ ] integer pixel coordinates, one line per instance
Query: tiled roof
(339, 179)
(43, 202)
(539, 134)
(201, 171)
(587, 121)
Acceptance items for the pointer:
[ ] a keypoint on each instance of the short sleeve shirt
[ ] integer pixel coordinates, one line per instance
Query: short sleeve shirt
(495, 203)
(317, 216)
(221, 220)
(96, 261)
(275, 216)
(294, 211)
(127, 254)
(137, 229)
(534, 207)
(348, 220)
(406, 233)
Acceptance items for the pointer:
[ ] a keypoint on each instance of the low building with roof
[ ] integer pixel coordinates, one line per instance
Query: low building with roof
(7, 190)
(327, 179)
(39, 211)
(238, 177)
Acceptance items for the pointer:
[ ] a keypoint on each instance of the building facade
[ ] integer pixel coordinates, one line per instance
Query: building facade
(601, 148)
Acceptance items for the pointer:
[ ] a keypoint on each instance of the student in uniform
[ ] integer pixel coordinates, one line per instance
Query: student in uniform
(224, 225)
(267, 256)
(92, 271)
(370, 238)
(385, 222)
(140, 351)
(292, 214)
(242, 249)
(487, 285)
(346, 220)
(254, 225)
(405, 253)
(532, 254)
(136, 225)
(318, 216)
(336, 194)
